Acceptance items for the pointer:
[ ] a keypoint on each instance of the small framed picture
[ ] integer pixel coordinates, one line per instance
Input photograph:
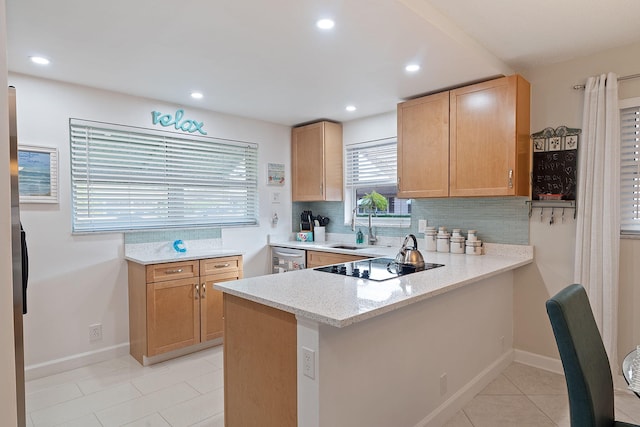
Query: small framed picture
(37, 174)
(275, 174)
(555, 143)
(571, 142)
(539, 144)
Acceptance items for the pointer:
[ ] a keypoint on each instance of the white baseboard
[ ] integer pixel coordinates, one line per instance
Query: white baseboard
(459, 399)
(56, 366)
(539, 361)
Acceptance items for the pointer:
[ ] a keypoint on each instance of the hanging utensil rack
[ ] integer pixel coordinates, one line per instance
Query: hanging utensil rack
(551, 204)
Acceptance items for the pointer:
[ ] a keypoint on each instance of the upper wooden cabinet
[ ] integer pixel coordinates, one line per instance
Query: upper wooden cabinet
(471, 141)
(489, 138)
(423, 147)
(316, 162)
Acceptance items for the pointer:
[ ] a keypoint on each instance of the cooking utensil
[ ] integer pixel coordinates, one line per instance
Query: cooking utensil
(410, 255)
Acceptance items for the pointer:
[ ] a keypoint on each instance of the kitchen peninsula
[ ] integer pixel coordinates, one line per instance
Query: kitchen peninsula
(315, 349)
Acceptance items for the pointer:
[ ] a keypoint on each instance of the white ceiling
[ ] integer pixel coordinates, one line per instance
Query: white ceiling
(267, 60)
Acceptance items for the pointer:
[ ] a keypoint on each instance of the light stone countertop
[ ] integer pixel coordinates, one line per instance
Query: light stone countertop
(161, 252)
(340, 301)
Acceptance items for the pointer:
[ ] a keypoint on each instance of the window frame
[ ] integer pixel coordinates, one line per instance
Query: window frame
(350, 199)
(627, 233)
(185, 179)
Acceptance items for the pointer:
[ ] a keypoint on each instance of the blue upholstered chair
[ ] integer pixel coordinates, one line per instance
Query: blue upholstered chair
(584, 359)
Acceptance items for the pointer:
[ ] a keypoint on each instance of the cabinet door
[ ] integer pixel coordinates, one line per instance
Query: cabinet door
(215, 270)
(173, 315)
(485, 138)
(307, 162)
(423, 147)
(316, 162)
(211, 314)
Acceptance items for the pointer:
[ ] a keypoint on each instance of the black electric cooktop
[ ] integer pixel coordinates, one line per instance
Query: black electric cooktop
(377, 269)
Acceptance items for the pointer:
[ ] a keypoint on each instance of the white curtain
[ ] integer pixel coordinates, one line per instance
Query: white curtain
(598, 205)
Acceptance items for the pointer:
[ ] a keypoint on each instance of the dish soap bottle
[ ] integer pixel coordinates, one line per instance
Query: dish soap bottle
(359, 237)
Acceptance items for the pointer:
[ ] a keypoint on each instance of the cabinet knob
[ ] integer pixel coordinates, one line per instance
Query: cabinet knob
(176, 271)
(222, 265)
(510, 178)
(203, 295)
(197, 292)
(399, 188)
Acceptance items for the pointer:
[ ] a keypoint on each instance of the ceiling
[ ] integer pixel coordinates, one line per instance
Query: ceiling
(267, 60)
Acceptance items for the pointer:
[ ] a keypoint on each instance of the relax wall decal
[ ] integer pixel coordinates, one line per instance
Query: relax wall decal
(165, 120)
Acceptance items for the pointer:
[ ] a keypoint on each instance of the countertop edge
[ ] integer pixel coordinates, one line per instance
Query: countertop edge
(218, 253)
(340, 323)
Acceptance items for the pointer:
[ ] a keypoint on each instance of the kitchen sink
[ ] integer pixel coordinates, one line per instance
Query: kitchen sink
(349, 247)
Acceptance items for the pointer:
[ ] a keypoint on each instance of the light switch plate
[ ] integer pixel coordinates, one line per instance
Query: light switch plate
(275, 197)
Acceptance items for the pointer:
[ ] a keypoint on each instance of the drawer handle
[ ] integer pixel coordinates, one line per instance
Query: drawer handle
(222, 265)
(197, 293)
(176, 271)
(203, 295)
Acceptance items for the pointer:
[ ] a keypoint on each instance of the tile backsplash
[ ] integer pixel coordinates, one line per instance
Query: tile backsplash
(171, 235)
(497, 219)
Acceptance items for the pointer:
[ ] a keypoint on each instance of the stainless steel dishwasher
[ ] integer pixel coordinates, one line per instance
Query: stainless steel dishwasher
(287, 259)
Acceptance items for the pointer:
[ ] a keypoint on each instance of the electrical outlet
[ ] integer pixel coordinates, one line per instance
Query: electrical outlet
(443, 384)
(422, 225)
(95, 332)
(309, 362)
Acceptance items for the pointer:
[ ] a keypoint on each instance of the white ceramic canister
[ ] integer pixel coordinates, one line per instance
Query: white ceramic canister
(474, 247)
(457, 244)
(442, 243)
(430, 237)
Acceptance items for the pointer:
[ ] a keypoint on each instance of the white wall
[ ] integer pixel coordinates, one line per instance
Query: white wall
(553, 103)
(7, 358)
(79, 280)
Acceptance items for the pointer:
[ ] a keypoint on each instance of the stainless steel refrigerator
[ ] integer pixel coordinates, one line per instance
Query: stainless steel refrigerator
(20, 260)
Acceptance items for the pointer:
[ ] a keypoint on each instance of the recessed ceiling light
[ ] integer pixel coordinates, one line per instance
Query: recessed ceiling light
(350, 108)
(39, 60)
(197, 95)
(325, 24)
(412, 68)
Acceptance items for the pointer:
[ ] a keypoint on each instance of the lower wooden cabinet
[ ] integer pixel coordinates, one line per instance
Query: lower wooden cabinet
(174, 305)
(319, 258)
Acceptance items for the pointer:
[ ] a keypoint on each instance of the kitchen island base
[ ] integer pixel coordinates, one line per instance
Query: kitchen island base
(414, 366)
(259, 365)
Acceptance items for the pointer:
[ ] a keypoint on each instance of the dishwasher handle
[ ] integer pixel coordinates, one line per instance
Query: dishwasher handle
(289, 255)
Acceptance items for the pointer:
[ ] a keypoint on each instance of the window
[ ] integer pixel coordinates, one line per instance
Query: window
(126, 178)
(630, 166)
(373, 166)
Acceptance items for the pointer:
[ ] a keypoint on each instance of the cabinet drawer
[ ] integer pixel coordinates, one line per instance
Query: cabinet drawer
(319, 259)
(231, 264)
(172, 271)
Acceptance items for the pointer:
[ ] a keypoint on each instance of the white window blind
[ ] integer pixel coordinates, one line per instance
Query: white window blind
(126, 178)
(630, 169)
(371, 164)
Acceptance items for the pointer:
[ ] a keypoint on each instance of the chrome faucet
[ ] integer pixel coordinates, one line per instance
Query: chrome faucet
(372, 238)
(353, 219)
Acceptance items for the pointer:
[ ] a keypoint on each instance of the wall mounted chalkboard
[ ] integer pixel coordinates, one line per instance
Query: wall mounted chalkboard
(555, 164)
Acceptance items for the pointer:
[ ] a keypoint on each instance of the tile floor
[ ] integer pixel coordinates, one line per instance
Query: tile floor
(189, 392)
(523, 396)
